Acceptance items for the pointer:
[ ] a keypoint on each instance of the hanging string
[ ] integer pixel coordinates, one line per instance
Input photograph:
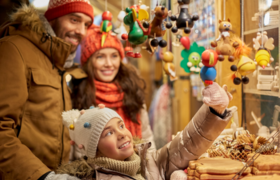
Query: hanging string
(261, 9)
(224, 9)
(168, 32)
(207, 30)
(262, 26)
(122, 5)
(105, 5)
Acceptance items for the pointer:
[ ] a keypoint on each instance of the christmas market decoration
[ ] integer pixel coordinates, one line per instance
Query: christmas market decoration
(192, 58)
(169, 67)
(137, 34)
(208, 72)
(244, 65)
(225, 46)
(263, 45)
(106, 25)
(184, 20)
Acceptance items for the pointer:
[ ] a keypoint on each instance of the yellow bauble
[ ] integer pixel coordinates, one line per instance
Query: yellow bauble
(262, 57)
(246, 66)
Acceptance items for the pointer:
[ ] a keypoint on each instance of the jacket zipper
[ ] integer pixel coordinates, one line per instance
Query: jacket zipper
(61, 73)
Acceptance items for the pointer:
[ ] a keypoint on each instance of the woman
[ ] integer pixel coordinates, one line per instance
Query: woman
(112, 83)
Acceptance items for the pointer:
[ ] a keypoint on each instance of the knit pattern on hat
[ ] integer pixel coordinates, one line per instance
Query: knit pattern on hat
(56, 3)
(130, 166)
(58, 8)
(89, 136)
(92, 43)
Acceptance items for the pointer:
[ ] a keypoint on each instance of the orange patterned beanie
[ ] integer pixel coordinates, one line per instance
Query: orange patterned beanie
(92, 43)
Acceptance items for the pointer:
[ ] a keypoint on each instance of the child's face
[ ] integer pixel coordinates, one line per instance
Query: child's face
(115, 141)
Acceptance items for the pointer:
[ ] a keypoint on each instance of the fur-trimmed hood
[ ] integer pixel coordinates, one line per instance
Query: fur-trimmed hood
(27, 22)
(29, 17)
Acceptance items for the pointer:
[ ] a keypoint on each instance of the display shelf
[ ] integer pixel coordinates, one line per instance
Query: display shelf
(266, 93)
(258, 97)
(258, 30)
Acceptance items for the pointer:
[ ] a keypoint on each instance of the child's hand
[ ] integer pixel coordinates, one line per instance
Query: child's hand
(216, 97)
(179, 175)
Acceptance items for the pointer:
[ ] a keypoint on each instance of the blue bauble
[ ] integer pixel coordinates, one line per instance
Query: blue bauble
(208, 73)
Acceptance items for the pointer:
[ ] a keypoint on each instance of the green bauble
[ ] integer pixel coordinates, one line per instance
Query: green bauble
(136, 34)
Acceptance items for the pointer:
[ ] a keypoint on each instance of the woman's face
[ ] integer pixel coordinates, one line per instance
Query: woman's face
(115, 141)
(106, 63)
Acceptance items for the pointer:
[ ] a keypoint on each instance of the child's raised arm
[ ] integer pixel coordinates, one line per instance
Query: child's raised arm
(198, 135)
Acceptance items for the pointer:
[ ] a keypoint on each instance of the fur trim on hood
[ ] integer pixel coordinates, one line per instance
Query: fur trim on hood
(29, 16)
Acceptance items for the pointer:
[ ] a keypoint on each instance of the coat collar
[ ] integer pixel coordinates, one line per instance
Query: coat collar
(27, 22)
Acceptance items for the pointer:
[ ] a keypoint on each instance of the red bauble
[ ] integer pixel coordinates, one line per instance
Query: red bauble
(136, 7)
(107, 15)
(209, 58)
(124, 37)
(185, 41)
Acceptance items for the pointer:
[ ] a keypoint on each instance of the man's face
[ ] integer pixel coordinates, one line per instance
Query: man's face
(72, 28)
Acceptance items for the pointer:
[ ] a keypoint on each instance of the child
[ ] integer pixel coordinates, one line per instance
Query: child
(108, 148)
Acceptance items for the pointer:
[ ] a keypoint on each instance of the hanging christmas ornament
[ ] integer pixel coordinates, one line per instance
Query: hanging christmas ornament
(192, 58)
(137, 34)
(157, 29)
(184, 20)
(106, 25)
(208, 72)
(157, 26)
(224, 44)
(244, 65)
(263, 45)
(169, 67)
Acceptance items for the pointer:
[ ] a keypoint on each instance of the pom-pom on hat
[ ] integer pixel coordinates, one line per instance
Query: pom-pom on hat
(92, 43)
(88, 126)
(58, 8)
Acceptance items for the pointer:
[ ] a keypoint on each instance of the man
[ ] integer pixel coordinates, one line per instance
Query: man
(36, 56)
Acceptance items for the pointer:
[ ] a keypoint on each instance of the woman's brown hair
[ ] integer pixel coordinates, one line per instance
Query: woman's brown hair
(127, 79)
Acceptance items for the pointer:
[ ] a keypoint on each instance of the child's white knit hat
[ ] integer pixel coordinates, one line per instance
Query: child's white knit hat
(86, 126)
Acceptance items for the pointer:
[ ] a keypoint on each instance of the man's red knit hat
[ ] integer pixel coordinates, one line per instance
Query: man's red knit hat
(92, 43)
(58, 8)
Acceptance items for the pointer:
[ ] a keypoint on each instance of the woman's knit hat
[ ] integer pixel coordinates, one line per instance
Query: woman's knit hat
(86, 126)
(92, 43)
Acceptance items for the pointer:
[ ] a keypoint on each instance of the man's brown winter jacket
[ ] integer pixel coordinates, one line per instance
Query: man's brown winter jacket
(33, 94)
